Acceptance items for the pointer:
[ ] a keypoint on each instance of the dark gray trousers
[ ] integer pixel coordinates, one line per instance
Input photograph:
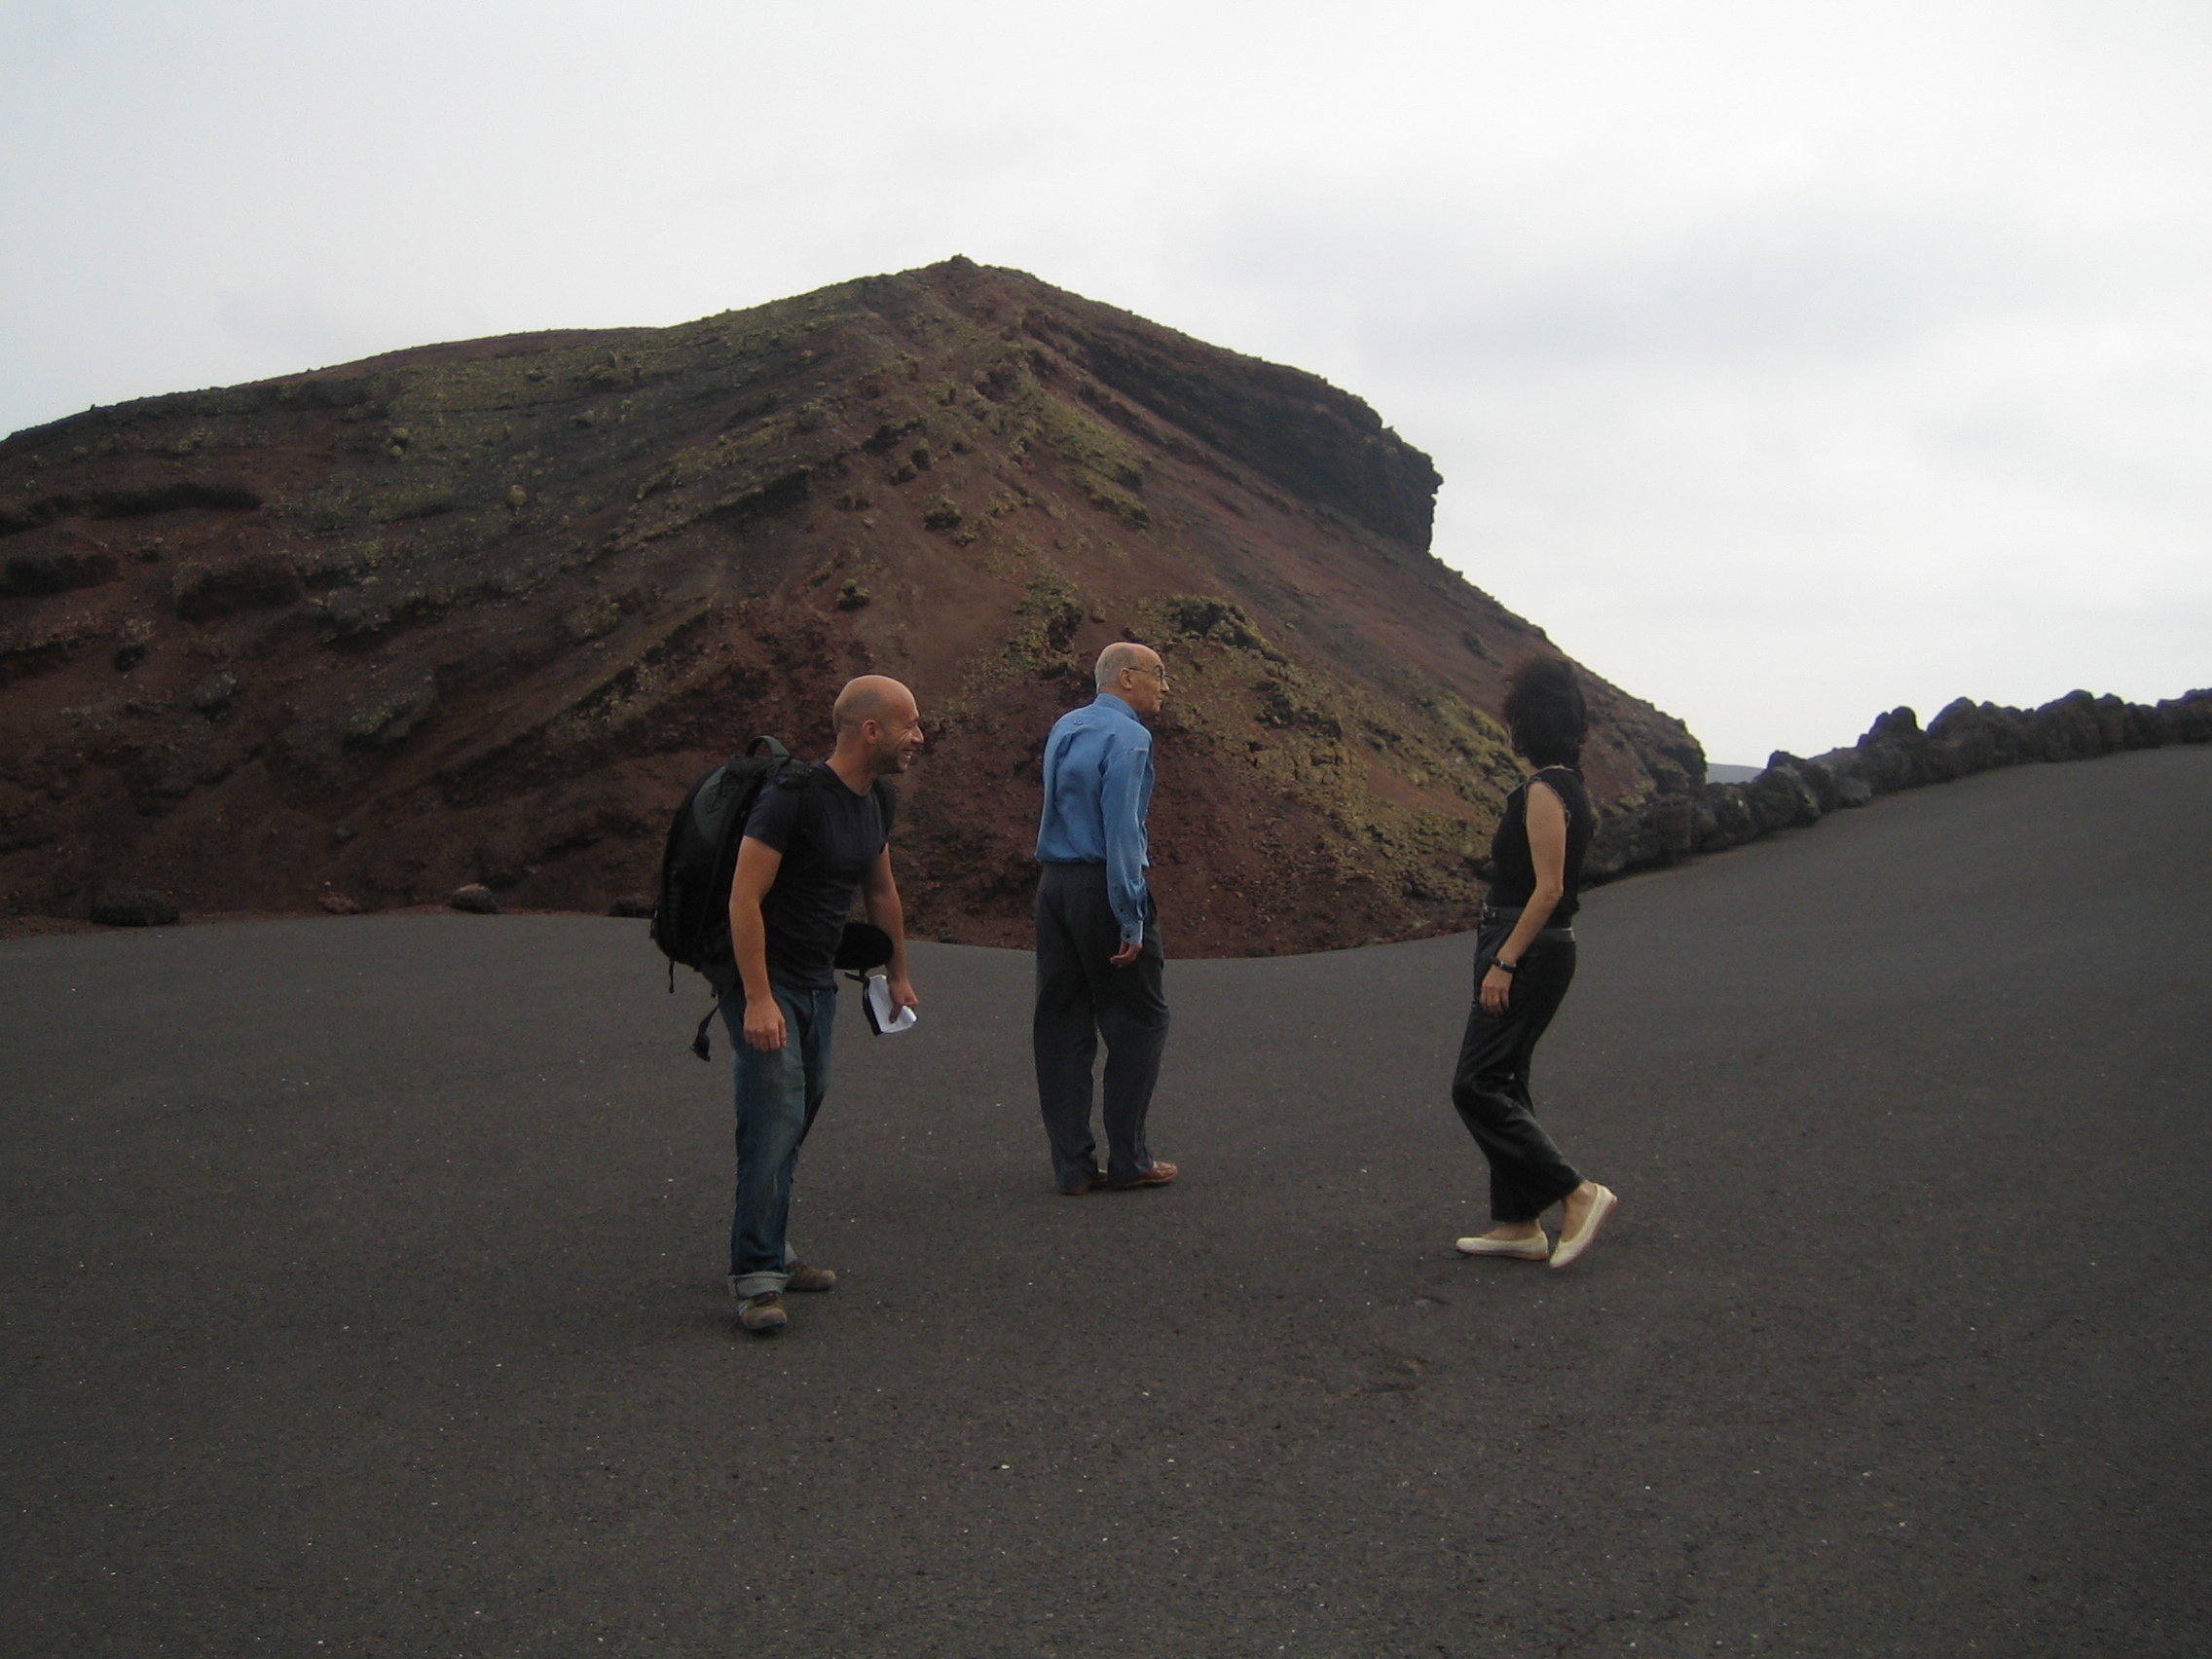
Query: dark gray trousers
(1490, 1086)
(1080, 997)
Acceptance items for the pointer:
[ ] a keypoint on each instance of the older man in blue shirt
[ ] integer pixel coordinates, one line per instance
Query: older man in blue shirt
(1099, 962)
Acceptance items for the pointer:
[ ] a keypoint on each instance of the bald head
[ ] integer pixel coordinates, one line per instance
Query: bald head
(871, 697)
(1121, 654)
(1132, 673)
(879, 729)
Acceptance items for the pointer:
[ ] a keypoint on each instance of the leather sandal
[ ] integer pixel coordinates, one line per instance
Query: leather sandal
(1533, 1249)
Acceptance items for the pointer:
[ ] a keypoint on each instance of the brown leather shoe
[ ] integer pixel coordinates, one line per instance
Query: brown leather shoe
(804, 1277)
(1090, 1182)
(1159, 1175)
(763, 1315)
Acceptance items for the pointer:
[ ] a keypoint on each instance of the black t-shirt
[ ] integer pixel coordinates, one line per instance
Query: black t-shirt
(830, 839)
(1513, 878)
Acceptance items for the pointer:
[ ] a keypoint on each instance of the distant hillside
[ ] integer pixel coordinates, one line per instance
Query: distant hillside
(479, 612)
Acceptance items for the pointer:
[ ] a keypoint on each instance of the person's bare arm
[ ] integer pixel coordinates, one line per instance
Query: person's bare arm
(1547, 852)
(756, 866)
(880, 895)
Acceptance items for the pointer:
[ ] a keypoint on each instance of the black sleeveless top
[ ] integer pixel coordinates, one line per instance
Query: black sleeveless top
(1513, 877)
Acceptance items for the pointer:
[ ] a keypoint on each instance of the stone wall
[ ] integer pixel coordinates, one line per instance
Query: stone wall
(1895, 754)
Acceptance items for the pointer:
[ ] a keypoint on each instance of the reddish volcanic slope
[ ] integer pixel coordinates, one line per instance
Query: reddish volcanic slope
(480, 611)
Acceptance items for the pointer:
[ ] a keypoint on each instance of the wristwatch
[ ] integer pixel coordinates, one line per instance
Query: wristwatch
(1504, 966)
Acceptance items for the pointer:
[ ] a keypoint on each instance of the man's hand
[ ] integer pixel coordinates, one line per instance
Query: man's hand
(902, 991)
(765, 1024)
(1131, 950)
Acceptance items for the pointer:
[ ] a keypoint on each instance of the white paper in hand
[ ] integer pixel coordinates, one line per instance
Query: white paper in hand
(882, 1017)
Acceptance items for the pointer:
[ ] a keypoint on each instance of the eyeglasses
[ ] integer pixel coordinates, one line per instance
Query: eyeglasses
(1159, 674)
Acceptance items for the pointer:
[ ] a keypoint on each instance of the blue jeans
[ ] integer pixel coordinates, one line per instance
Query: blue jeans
(778, 1093)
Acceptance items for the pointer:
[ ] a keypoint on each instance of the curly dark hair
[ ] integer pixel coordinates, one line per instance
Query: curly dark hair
(1545, 712)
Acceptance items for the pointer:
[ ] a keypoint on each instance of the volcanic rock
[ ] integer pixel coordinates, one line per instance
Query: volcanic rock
(1894, 754)
(497, 603)
(134, 907)
(475, 897)
(56, 570)
(212, 695)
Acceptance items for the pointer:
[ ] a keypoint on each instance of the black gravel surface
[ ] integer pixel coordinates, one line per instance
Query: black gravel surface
(363, 1289)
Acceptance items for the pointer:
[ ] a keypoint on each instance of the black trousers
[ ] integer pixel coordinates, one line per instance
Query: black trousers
(1491, 1083)
(1081, 996)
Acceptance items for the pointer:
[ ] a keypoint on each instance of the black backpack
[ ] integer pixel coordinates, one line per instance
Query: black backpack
(691, 906)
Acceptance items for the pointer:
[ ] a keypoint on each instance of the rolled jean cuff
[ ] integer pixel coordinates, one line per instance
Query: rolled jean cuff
(759, 1284)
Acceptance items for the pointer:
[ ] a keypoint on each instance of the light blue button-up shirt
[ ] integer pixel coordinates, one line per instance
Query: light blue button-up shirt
(1098, 791)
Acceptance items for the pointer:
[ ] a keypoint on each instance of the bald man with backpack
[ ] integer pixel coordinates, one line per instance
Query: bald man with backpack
(815, 836)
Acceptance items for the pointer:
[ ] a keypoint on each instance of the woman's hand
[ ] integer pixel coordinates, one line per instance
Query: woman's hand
(1497, 986)
(1547, 853)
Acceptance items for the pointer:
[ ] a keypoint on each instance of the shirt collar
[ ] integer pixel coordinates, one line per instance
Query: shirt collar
(1115, 703)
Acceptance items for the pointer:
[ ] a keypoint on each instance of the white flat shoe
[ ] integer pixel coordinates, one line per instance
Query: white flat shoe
(1533, 1249)
(1600, 1209)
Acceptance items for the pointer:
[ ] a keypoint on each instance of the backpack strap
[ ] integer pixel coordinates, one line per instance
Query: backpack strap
(804, 776)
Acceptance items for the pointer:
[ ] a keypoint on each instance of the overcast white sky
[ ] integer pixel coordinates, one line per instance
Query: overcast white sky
(1785, 361)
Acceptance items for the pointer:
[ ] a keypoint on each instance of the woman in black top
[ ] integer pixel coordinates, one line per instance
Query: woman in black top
(1524, 963)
